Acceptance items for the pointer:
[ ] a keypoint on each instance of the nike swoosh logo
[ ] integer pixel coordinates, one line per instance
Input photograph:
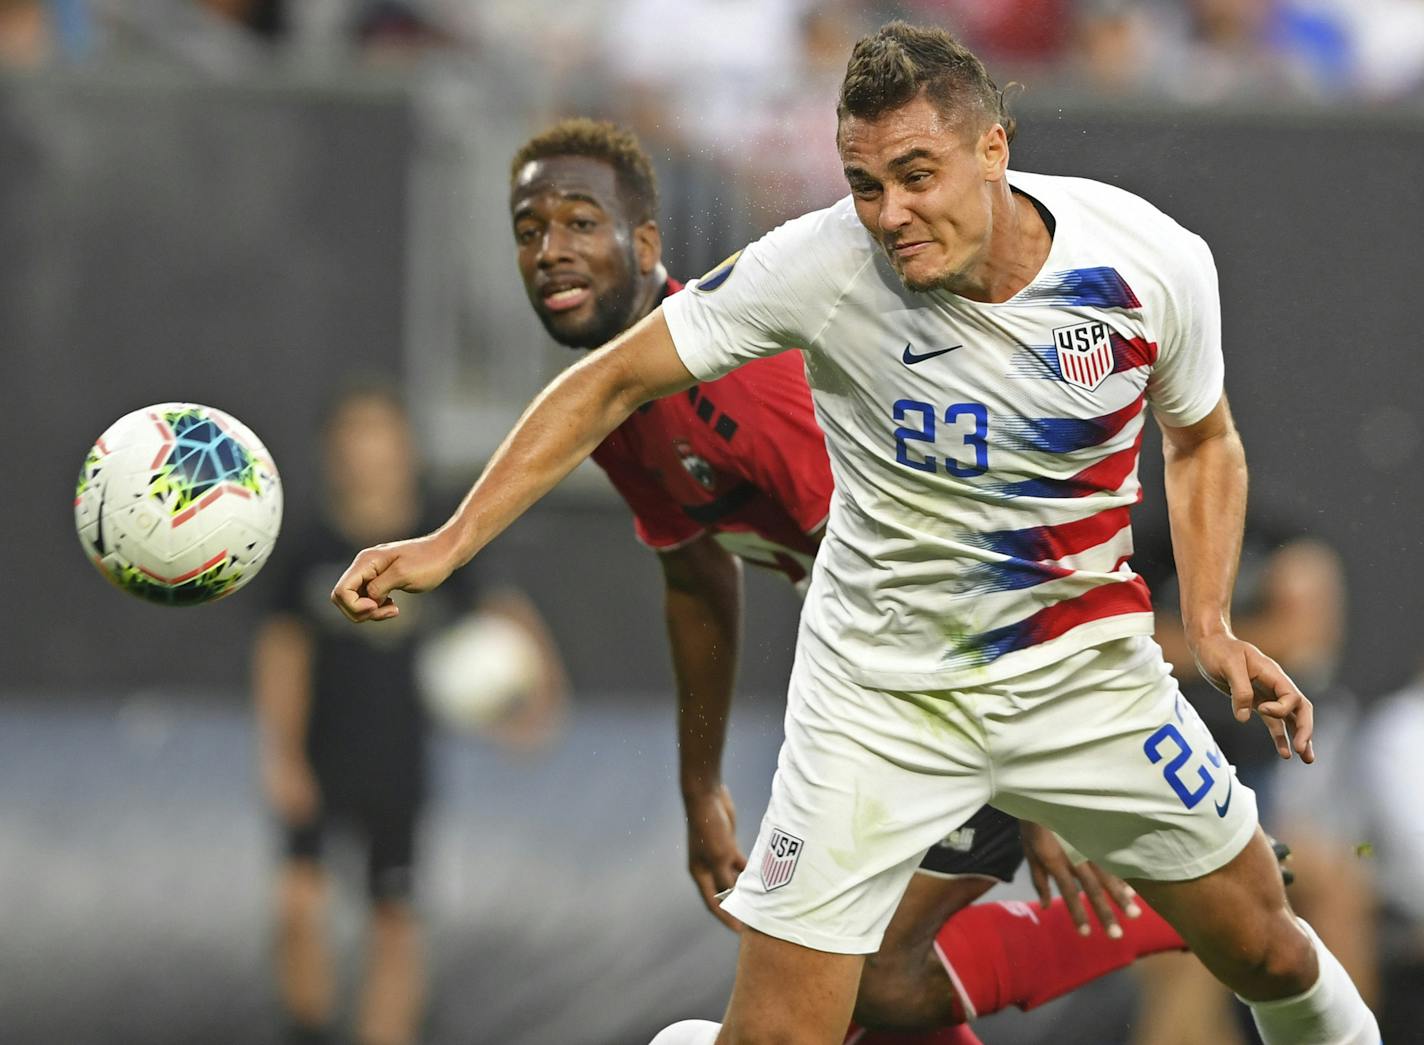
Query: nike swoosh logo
(1224, 806)
(910, 358)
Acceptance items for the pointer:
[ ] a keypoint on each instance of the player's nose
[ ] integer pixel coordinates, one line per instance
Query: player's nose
(894, 215)
(555, 246)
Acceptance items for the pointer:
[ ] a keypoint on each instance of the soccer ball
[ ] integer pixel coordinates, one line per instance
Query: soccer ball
(477, 670)
(178, 504)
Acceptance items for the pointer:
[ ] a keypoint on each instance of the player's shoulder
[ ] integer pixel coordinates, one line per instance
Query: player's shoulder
(1109, 214)
(825, 247)
(1155, 253)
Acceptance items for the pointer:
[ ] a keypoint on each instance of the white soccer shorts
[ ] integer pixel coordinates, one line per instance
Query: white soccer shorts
(1100, 747)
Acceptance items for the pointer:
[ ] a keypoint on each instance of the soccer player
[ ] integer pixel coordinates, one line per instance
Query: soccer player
(736, 469)
(981, 345)
(343, 737)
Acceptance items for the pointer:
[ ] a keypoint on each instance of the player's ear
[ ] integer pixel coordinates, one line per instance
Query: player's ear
(994, 152)
(648, 246)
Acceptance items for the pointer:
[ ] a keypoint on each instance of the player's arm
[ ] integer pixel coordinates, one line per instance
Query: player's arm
(1206, 502)
(558, 430)
(704, 615)
(281, 676)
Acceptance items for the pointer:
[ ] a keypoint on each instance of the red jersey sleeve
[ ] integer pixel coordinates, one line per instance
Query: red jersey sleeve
(787, 457)
(658, 520)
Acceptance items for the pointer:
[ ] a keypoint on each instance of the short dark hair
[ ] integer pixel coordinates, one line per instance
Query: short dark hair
(892, 66)
(599, 140)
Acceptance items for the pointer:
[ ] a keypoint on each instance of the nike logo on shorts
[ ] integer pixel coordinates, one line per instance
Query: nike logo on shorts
(1222, 807)
(910, 358)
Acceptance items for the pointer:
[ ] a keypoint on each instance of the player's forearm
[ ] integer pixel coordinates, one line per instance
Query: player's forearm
(704, 628)
(1206, 500)
(562, 426)
(281, 673)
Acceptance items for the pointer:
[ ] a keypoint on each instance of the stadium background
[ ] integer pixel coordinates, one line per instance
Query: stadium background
(234, 202)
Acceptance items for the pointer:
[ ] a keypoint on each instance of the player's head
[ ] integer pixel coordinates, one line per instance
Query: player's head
(368, 443)
(924, 141)
(584, 202)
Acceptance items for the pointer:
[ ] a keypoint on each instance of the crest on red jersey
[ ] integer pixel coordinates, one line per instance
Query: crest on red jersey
(696, 466)
(1085, 356)
(779, 862)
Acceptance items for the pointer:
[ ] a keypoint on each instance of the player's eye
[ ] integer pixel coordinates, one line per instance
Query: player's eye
(863, 191)
(583, 224)
(526, 235)
(917, 177)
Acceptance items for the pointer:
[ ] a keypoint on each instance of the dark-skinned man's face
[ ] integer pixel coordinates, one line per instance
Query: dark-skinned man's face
(577, 251)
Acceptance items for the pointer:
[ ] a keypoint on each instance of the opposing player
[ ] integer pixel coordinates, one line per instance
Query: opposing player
(981, 346)
(736, 469)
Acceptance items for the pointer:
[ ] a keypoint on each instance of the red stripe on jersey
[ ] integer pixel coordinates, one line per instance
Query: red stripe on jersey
(1047, 543)
(1109, 473)
(1106, 600)
(1132, 352)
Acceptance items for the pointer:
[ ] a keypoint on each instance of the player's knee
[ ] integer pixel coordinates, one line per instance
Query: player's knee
(1279, 963)
(301, 891)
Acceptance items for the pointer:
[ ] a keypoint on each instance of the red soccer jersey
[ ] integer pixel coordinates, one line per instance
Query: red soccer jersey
(740, 457)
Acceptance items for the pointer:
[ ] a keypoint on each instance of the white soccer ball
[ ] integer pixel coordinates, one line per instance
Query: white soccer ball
(178, 504)
(477, 670)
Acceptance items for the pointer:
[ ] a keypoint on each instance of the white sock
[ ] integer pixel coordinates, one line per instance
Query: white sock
(1330, 1013)
(688, 1032)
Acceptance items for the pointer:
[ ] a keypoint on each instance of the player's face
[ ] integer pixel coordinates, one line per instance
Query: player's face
(923, 186)
(577, 250)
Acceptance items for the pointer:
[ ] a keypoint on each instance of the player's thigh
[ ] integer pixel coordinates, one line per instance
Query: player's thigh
(789, 994)
(866, 782)
(1237, 921)
(1114, 759)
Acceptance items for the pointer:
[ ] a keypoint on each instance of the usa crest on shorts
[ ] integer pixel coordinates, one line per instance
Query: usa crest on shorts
(1085, 355)
(779, 862)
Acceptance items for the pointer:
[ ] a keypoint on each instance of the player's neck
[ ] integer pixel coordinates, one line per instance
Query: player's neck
(650, 294)
(1018, 246)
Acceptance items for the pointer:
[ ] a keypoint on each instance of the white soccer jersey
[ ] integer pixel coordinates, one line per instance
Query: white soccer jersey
(984, 455)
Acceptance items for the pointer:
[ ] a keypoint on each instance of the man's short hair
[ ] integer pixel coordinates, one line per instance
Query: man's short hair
(599, 140)
(892, 66)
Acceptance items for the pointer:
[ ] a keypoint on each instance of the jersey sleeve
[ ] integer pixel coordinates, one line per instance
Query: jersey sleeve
(658, 520)
(1188, 378)
(773, 295)
(788, 459)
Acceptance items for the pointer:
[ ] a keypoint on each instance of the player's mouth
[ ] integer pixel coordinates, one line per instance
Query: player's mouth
(910, 248)
(565, 294)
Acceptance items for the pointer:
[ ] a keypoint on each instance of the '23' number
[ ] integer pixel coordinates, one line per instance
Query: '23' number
(926, 415)
(1172, 771)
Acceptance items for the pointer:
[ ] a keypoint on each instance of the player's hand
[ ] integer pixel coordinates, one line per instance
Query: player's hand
(713, 856)
(1049, 865)
(291, 788)
(364, 591)
(1257, 683)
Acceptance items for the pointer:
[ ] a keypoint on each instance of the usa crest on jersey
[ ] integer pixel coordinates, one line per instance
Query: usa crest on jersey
(1085, 354)
(779, 862)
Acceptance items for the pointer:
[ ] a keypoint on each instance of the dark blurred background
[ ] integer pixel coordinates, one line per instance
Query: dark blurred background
(238, 202)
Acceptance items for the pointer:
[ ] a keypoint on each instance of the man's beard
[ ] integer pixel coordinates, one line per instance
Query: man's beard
(612, 314)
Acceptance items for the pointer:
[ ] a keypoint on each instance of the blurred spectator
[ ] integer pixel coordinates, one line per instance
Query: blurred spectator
(1290, 601)
(342, 730)
(24, 34)
(701, 69)
(790, 164)
(1007, 33)
(1392, 770)
(1115, 46)
(266, 18)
